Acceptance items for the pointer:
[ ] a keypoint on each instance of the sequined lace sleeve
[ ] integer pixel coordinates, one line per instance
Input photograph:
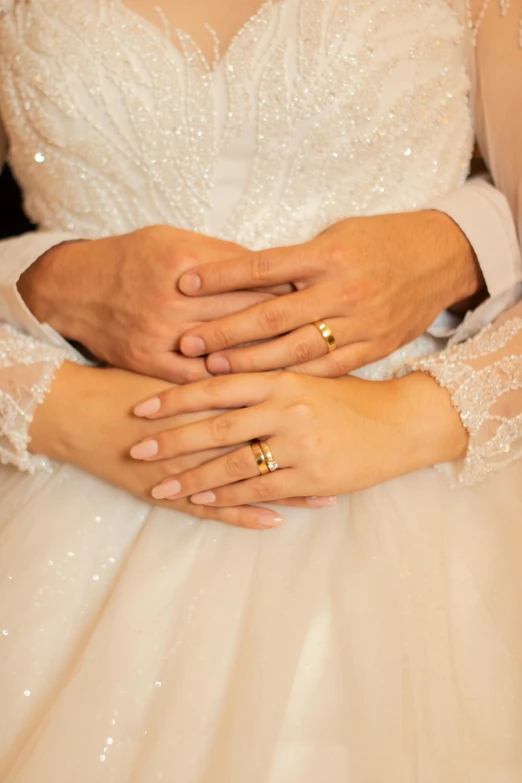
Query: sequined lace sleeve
(27, 368)
(484, 378)
(27, 364)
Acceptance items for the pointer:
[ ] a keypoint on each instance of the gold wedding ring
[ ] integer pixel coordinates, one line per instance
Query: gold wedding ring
(259, 457)
(327, 334)
(263, 457)
(270, 461)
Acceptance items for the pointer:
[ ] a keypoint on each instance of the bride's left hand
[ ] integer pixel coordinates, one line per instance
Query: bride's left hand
(327, 436)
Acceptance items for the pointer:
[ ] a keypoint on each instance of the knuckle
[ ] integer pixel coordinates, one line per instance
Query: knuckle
(302, 352)
(260, 266)
(217, 276)
(272, 318)
(221, 336)
(237, 465)
(345, 296)
(192, 375)
(302, 412)
(220, 428)
(262, 491)
(218, 387)
(132, 354)
(288, 382)
(208, 512)
(338, 366)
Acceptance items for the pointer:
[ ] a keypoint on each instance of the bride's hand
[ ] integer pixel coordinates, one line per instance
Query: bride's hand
(377, 282)
(327, 436)
(86, 419)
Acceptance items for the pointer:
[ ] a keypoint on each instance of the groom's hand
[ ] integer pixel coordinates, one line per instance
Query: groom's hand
(119, 297)
(376, 282)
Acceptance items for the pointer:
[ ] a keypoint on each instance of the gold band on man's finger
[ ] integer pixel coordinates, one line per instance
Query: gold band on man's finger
(327, 334)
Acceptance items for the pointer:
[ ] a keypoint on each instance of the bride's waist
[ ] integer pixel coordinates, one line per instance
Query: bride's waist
(391, 365)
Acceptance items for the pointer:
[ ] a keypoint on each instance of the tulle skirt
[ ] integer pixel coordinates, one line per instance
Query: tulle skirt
(380, 640)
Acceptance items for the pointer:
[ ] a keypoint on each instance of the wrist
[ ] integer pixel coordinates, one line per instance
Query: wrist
(464, 282)
(434, 430)
(48, 287)
(56, 430)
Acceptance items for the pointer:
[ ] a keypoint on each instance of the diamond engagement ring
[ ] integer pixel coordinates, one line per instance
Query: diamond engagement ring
(270, 461)
(263, 457)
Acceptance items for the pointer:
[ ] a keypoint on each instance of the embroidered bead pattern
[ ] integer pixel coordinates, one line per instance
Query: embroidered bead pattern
(495, 441)
(19, 398)
(475, 24)
(92, 93)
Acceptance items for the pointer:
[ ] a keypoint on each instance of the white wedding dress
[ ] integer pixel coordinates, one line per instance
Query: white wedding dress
(379, 641)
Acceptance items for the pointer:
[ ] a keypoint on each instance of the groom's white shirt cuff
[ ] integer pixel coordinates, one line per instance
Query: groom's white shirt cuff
(483, 214)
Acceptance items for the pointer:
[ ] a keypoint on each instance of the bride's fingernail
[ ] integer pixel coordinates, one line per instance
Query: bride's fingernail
(190, 284)
(169, 489)
(145, 450)
(203, 498)
(219, 365)
(315, 502)
(266, 519)
(148, 408)
(193, 346)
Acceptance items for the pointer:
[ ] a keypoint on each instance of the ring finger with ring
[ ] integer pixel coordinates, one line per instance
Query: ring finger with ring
(300, 346)
(255, 461)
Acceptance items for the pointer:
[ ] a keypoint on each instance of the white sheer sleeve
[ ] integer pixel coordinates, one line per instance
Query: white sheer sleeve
(484, 378)
(484, 374)
(27, 364)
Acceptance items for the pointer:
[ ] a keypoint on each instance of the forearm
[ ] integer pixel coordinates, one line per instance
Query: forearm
(453, 271)
(432, 431)
(59, 421)
(81, 402)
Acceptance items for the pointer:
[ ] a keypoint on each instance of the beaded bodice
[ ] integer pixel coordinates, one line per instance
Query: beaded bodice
(320, 109)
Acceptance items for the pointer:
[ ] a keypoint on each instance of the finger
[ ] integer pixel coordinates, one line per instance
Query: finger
(299, 347)
(342, 361)
(262, 489)
(249, 517)
(269, 319)
(229, 392)
(175, 368)
(236, 466)
(229, 429)
(250, 270)
(212, 307)
(311, 502)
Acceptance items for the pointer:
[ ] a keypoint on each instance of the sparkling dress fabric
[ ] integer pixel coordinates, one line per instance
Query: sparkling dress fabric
(379, 640)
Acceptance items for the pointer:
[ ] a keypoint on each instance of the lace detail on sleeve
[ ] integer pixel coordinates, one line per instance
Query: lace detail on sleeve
(474, 12)
(27, 368)
(484, 378)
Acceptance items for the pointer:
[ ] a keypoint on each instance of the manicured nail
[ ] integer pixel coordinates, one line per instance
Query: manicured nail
(148, 408)
(315, 502)
(166, 490)
(145, 450)
(266, 519)
(193, 346)
(190, 284)
(203, 498)
(218, 365)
